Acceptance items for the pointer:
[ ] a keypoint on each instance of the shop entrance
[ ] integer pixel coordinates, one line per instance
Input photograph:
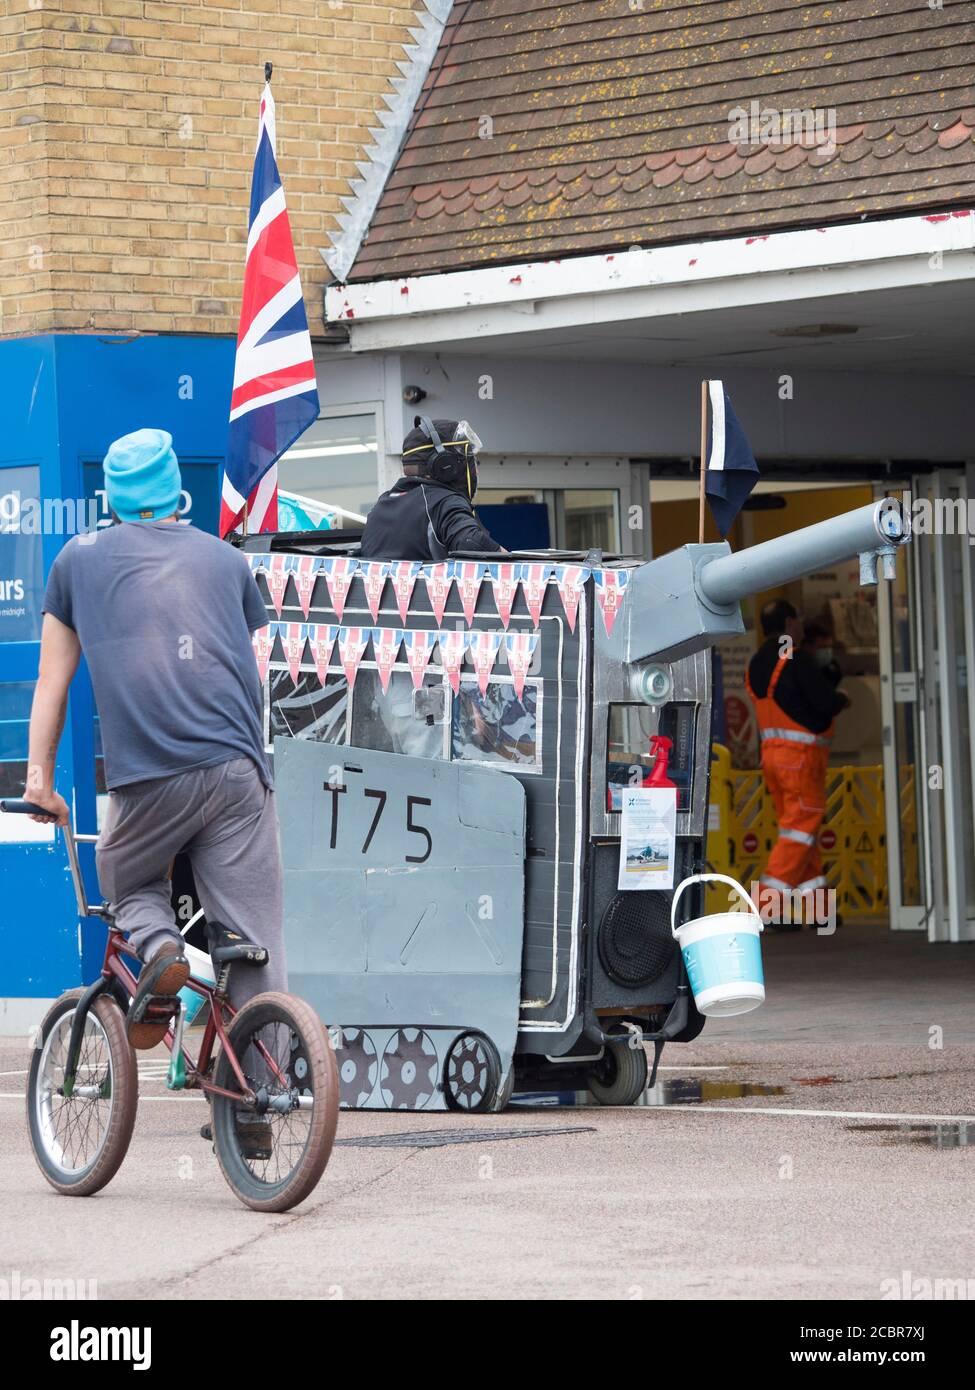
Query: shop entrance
(898, 839)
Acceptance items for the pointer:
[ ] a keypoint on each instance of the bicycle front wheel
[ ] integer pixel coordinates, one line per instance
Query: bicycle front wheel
(80, 1139)
(273, 1153)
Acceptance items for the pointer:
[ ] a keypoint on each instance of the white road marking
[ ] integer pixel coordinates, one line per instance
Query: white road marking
(191, 1095)
(714, 1109)
(683, 1069)
(148, 1071)
(818, 1114)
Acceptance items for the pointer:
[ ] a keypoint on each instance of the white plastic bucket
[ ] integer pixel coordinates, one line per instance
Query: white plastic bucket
(201, 968)
(722, 954)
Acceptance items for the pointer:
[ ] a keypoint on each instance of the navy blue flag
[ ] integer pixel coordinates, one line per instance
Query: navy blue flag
(731, 469)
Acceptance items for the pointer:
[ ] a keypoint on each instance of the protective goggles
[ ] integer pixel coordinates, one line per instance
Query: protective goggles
(465, 435)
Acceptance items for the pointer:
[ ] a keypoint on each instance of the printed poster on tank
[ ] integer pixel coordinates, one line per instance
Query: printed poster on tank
(648, 837)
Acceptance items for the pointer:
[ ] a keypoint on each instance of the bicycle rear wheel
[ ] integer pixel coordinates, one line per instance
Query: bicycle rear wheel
(273, 1155)
(79, 1141)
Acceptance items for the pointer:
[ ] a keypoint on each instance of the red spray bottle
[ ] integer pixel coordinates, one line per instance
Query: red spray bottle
(660, 746)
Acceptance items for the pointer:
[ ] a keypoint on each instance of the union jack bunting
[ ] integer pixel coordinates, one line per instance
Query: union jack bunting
(534, 578)
(321, 638)
(275, 397)
(484, 647)
(571, 579)
(519, 649)
(468, 575)
(374, 574)
(352, 643)
(404, 573)
(385, 645)
(418, 646)
(437, 579)
(293, 636)
(263, 642)
(304, 575)
(505, 580)
(339, 574)
(276, 572)
(610, 588)
(453, 647)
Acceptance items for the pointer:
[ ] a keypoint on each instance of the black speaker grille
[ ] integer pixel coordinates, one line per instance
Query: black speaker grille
(635, 941)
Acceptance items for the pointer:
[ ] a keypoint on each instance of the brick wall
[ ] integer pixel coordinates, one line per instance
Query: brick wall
(25, 293)
(127, 131)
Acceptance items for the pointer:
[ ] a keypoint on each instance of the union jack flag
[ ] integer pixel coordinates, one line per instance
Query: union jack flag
(275, 397)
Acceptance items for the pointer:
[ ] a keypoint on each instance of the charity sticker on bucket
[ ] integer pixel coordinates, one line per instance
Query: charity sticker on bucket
(722, 953)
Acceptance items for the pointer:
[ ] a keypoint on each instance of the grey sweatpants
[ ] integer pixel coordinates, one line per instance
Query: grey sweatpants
(224, 818)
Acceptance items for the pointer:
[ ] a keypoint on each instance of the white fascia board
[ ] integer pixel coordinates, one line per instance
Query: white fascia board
(651, 282)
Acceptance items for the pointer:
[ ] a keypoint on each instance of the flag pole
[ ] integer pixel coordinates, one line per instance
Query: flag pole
(704, 462)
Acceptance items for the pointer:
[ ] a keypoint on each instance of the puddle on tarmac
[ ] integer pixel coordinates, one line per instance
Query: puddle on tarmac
(676, 1091)
(960, 1135)
(690, 1091)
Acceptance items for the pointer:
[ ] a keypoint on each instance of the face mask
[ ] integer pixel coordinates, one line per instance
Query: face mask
(824, 655)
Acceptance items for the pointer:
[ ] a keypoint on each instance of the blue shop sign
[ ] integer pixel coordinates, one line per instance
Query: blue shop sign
(21, 558)
(199, 501)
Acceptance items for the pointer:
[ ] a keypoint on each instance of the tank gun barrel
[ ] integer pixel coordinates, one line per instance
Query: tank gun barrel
(688, 599)
(872, 531)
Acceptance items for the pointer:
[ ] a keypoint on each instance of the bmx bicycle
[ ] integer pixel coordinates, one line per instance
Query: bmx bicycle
(272, 1085)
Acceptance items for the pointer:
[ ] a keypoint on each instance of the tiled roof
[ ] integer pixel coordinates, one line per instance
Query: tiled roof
(550, 129)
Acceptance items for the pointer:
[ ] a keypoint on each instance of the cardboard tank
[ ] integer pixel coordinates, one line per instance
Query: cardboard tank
(450, 743)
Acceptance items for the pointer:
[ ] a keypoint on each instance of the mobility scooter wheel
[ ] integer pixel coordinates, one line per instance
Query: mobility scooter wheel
(472, 1075)
(620, 1076)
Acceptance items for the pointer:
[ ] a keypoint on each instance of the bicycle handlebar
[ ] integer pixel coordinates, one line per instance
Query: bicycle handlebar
(18, 806)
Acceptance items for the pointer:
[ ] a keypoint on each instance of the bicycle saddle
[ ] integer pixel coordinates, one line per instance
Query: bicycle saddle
(226, 945)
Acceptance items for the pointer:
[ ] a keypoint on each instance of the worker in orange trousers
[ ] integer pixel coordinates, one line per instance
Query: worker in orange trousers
(796, 702)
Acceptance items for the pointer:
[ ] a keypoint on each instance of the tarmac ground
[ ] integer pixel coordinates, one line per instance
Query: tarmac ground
(821, 1147)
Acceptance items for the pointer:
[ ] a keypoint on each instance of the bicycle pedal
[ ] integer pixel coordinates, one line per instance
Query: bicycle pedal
(154, 1008)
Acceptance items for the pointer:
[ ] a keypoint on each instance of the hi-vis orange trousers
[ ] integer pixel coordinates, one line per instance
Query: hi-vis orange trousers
(795, 775)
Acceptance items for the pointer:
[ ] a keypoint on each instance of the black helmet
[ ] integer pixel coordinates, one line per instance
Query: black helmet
(446, 452)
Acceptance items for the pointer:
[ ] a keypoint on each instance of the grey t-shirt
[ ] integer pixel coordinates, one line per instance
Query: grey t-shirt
(164, 614)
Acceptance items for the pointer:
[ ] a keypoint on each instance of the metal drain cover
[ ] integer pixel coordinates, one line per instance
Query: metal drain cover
(435, 1138)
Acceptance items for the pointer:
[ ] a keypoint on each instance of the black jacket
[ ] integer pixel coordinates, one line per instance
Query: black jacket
(805, 693)
(418, 519)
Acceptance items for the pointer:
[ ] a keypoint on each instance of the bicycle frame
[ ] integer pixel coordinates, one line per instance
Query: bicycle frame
(184, 1072)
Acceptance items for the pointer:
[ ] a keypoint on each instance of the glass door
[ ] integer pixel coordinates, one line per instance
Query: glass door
(563, 518)
(927, 674)
(904, 778)
(567, 504)
(951, 562)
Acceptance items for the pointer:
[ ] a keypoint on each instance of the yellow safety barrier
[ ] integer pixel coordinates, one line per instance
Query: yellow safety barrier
(742, 830)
